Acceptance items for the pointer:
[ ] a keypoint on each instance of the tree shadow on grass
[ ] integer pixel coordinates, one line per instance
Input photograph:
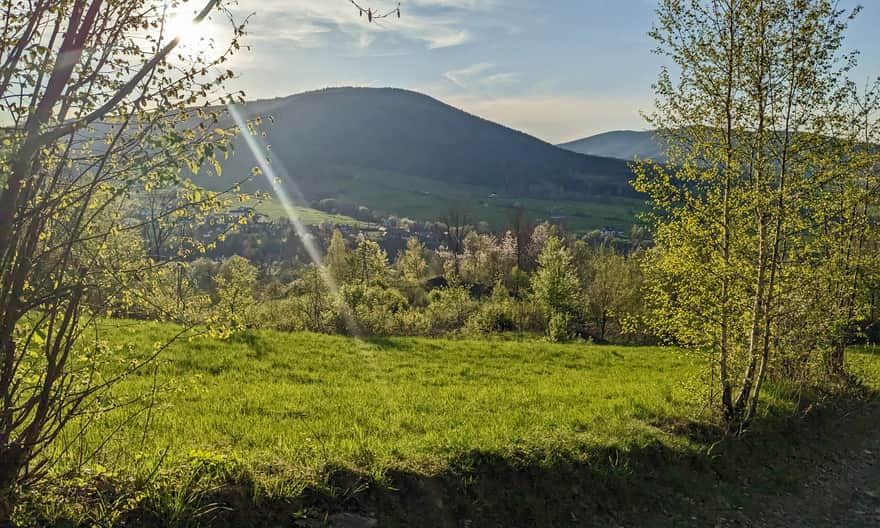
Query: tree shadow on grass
(385, 343)
(255, 342)
(689, 480)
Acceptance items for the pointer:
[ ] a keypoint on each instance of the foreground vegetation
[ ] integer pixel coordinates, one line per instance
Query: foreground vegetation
(292, 417)
(301, 401)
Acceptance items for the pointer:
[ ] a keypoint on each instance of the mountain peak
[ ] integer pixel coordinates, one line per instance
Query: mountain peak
(620, 144)
(390, 149)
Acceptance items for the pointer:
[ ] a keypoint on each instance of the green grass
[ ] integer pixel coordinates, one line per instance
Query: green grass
(864, 364)
(304, 401)
(272, 424)
(274, 210)
(426, 199)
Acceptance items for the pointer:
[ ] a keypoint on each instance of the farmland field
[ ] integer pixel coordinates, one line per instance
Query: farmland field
(308, 216)
(425, 199)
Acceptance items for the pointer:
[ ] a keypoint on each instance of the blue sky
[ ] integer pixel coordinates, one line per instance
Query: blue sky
(557, 69)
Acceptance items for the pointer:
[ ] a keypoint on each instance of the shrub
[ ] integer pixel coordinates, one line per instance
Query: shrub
(559, 327)
(449, 308)
(496, 314)
(373, 308)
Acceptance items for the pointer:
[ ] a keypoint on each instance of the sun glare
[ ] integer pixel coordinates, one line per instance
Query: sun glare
(193, 37)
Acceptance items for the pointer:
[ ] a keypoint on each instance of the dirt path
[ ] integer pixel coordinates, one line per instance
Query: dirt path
(842, 488)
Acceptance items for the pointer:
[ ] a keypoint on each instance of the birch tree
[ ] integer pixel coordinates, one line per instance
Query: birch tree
(762, 148)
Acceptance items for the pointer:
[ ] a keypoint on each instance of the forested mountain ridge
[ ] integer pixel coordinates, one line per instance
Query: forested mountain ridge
(366, 146)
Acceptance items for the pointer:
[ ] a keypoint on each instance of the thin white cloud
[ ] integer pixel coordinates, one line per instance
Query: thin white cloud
(304, 35)
(464, 76)
(479, 76)
(448, 40)
(499, 78)
(474, 5)
(309, 23)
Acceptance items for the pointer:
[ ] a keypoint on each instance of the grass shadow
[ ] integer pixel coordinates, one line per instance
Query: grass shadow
(256, 343)
(658, 484)
(385, 343)
(652, 485)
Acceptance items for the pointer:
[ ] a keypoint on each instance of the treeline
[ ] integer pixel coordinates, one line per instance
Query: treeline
(537, 281)
(529, 280)
(765, 211)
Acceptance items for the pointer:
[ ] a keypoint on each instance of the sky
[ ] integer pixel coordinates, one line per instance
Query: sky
(556, 69)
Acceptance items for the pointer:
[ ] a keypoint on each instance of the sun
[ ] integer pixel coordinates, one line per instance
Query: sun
(198, 38)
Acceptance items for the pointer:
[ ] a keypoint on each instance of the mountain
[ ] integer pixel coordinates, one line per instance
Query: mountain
(620, 144)
(405, 153)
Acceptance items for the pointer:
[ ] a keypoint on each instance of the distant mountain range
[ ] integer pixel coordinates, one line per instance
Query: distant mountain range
(620, 144)
(405, 153)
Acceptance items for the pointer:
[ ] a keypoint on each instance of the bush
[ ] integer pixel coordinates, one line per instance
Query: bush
(559, 327)
(412, 322)
(449, 308)
(496, 314)
(373, 308)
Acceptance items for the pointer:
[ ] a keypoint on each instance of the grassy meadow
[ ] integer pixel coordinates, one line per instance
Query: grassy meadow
(426, 199)
(308, 216)
(299, 402)
(289, 422)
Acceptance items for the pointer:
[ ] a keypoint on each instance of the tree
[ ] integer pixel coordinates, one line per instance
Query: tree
(455, 230)
(411, 262)
(202, 272)
(94, 98)
(317, 298)
(368, 262)
(537, 239)
(235, 290)
(337, 259)
(611, 286)
(521, 226)
(158, 231)
(760, 147)
(483, 260)
(556, 286)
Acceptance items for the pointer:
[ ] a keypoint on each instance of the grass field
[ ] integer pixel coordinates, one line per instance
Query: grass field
(426, 199)
(293, 410)
(303, 401)
(274, 210)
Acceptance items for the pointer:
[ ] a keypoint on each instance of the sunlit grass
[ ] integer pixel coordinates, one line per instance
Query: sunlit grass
(273, 414)
(274, 210)
(426, 199)
(864, 364)
(291, 405)
(300, 402)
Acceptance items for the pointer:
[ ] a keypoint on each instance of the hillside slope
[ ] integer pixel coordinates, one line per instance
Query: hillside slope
(620, 144)
(403, 152)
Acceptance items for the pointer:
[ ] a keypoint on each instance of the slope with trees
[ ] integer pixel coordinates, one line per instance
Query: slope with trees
(425, 157)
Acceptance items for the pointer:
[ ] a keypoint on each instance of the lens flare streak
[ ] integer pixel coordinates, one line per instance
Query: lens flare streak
(254, 145)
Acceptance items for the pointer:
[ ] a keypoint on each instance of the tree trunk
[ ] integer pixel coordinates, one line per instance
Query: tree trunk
(11, 461)
(836, 357)
(736, 419)
(723, 372)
